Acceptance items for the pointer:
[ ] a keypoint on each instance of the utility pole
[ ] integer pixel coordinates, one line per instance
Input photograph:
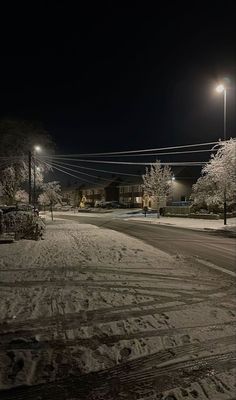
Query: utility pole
(29, 164)
(225, 205)
(34, 184)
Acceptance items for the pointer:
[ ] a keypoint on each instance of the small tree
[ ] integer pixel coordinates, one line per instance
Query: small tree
(10, 180)
(51, 194)
(22, 196)
(157, 182)
(43, 200)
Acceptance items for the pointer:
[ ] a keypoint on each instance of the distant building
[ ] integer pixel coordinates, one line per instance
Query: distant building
(184, 178)
(129, 191)
(72, 195)
(107, 190)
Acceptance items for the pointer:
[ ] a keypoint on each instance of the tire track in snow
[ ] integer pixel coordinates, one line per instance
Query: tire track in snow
(10, 341)
(90, 318)
(110, 384)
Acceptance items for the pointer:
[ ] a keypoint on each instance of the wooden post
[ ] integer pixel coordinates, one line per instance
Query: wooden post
(29, 165)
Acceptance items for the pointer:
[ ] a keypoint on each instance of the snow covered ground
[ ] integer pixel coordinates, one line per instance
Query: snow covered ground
(189, 223)
(88, 300)
(137, 215)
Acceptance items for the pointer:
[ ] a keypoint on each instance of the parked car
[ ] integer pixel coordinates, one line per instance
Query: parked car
(88, 205)
(66, 208)
(110, 204)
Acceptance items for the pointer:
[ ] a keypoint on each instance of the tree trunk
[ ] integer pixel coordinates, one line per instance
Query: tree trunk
(51, 211)
(11, 201)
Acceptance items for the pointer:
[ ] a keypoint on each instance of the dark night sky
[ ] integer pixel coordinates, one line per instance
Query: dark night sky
(112, 78)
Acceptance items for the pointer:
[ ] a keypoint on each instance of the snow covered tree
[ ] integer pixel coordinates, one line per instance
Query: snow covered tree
(43, 200)
(11, 179)
(51, 195)
(21, 196)
(205, 195)
(218, 180)
(17, 138)
(157, 183)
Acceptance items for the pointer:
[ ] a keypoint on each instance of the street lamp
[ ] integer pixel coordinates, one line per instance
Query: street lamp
(222, 89)
(36, 149)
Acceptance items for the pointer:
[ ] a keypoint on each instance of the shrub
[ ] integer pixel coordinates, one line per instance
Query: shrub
(25, 225)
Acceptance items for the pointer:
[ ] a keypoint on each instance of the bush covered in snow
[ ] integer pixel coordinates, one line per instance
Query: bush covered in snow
(25, 225)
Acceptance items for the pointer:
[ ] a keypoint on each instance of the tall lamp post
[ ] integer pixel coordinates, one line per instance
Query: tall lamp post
(222, 89)
(36, 149)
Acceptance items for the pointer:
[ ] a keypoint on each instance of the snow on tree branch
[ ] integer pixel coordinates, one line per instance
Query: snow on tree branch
(157, 182)
(22, 196)
(51, 195)
(218, 176)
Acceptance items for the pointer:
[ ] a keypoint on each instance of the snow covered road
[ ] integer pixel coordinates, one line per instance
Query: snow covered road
(92, 313)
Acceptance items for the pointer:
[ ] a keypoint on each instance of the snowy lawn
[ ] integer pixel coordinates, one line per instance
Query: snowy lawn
(191, 223)
(89, 299)
(137, 215)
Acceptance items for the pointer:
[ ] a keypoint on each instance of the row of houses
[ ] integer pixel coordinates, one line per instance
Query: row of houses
(129, 191)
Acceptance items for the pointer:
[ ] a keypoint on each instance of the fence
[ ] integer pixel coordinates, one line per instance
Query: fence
(177, 210)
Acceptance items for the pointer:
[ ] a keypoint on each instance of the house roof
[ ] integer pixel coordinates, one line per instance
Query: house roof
(185, 173)
(102, 184)
(129, 181)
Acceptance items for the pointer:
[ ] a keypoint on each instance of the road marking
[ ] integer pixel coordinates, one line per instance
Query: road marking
(211, 265)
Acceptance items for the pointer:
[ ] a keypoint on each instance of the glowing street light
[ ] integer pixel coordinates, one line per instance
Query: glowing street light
(37, 149)
(220, 88)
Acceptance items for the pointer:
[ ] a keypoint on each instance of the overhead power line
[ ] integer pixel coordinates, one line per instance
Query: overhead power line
(140, 150)
(104, 171)
(187, 163)
(74, 176)
(59, 157)
(78, 172)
